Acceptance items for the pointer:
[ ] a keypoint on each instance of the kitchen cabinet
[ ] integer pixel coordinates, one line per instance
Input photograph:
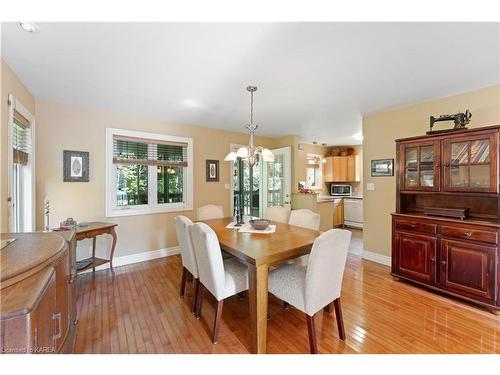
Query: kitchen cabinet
(342, 169)
(338, 212)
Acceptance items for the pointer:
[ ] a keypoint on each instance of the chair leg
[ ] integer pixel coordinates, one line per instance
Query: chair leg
(218, 316)
(183, 281)
(286, 305)
(311, 330)
(196, 286)
(199, 300)
(328, 308)
(340, 320)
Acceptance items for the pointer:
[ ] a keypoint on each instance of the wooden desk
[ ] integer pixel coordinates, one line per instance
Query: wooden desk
(93, 230)
(259, 251)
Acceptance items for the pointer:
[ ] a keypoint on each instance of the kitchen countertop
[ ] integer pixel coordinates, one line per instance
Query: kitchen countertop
(330, 198)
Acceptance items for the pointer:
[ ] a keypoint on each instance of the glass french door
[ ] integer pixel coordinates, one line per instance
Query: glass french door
(247, 180)
(266, 184)
(276, 181)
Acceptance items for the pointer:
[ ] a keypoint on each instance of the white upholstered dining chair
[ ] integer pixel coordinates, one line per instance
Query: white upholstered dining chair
(315, 286)
(306, 219)
(189, 266)
(210, 211)
(278, 214)
(222, 278)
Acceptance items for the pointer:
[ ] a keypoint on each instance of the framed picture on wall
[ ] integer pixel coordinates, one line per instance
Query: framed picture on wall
(75, 166)
(382, 167)
(212, 171)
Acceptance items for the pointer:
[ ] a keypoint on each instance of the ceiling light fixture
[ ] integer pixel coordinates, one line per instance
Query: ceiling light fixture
(250, 153)
(29, 26)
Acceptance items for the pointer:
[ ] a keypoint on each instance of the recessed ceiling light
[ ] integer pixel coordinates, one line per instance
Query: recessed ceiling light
(29, 26)
(358, 136)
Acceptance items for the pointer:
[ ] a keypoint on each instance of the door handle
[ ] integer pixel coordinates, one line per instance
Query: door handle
(443, 262)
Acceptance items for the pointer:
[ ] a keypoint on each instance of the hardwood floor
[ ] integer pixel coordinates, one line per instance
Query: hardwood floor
(138, 310)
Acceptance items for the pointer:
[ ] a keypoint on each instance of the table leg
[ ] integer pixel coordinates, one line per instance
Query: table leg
(93, 252)
(113, 234)
(258, 306)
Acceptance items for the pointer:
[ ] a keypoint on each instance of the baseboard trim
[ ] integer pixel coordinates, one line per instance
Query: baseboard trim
(139, 257)
(377, 258)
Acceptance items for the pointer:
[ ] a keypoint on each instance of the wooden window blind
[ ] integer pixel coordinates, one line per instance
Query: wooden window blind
(21, 139)
(130, 150)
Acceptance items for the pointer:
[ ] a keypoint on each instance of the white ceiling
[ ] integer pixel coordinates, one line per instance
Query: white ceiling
(316, 80)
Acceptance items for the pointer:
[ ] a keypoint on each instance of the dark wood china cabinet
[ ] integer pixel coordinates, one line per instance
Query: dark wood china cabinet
(439, 176)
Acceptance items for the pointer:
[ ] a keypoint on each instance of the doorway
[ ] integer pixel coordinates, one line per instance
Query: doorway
(264, 185)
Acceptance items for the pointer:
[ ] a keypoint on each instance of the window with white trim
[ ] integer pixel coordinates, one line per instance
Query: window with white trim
(147, 173)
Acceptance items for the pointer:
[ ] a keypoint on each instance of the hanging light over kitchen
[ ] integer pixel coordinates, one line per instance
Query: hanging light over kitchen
(250, 152)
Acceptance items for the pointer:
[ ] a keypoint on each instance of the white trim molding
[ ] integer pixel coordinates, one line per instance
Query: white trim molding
(139, 257)
(377, 258)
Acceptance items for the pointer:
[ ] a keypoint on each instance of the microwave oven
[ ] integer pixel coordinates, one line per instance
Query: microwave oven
(341, 190)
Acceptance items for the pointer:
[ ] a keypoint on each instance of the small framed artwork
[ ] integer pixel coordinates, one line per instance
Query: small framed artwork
(212, 171)
(75, 166)
(382, 167)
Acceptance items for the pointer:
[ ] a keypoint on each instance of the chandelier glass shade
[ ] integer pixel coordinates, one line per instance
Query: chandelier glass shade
(251, 152)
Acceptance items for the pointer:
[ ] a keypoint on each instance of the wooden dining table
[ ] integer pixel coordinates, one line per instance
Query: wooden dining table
(260, 251)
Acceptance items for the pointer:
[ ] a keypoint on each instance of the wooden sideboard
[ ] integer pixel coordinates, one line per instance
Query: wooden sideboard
(456, 170)
(38, 310)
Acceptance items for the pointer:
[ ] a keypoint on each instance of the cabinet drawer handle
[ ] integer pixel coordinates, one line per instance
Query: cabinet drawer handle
(71, 278)
(467, 234)
(433, 260)
(443, 262)
(58, 335)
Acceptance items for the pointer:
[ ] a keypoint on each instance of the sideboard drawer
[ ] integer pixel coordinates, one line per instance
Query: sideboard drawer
(416, 226)
(468, 233)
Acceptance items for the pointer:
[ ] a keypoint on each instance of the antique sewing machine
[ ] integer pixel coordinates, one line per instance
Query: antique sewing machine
(460, 120)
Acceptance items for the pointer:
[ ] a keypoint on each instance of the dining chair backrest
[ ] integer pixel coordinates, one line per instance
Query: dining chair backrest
(182, 224)
(305, 218)
(210, 211)
(208, 256)
(325, 269)
(278, 213)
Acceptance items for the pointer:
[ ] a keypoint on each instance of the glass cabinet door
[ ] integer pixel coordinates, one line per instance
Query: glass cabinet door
(420, 166)
(471, 164)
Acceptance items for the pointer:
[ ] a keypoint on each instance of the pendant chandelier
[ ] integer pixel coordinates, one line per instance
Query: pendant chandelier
(250, 152)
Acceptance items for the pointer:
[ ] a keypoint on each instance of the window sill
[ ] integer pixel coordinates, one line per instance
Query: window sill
(149, 210)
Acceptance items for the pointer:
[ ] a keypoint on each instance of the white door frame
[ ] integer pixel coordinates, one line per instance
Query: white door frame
(287, 180)
(15, 104)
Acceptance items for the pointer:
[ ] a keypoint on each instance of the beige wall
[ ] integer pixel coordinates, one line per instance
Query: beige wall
(63, 127)
(380, 131)
(10, 84)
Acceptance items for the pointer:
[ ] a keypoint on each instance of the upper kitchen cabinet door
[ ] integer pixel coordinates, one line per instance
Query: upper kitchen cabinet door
(470, 163)
(420, 166)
